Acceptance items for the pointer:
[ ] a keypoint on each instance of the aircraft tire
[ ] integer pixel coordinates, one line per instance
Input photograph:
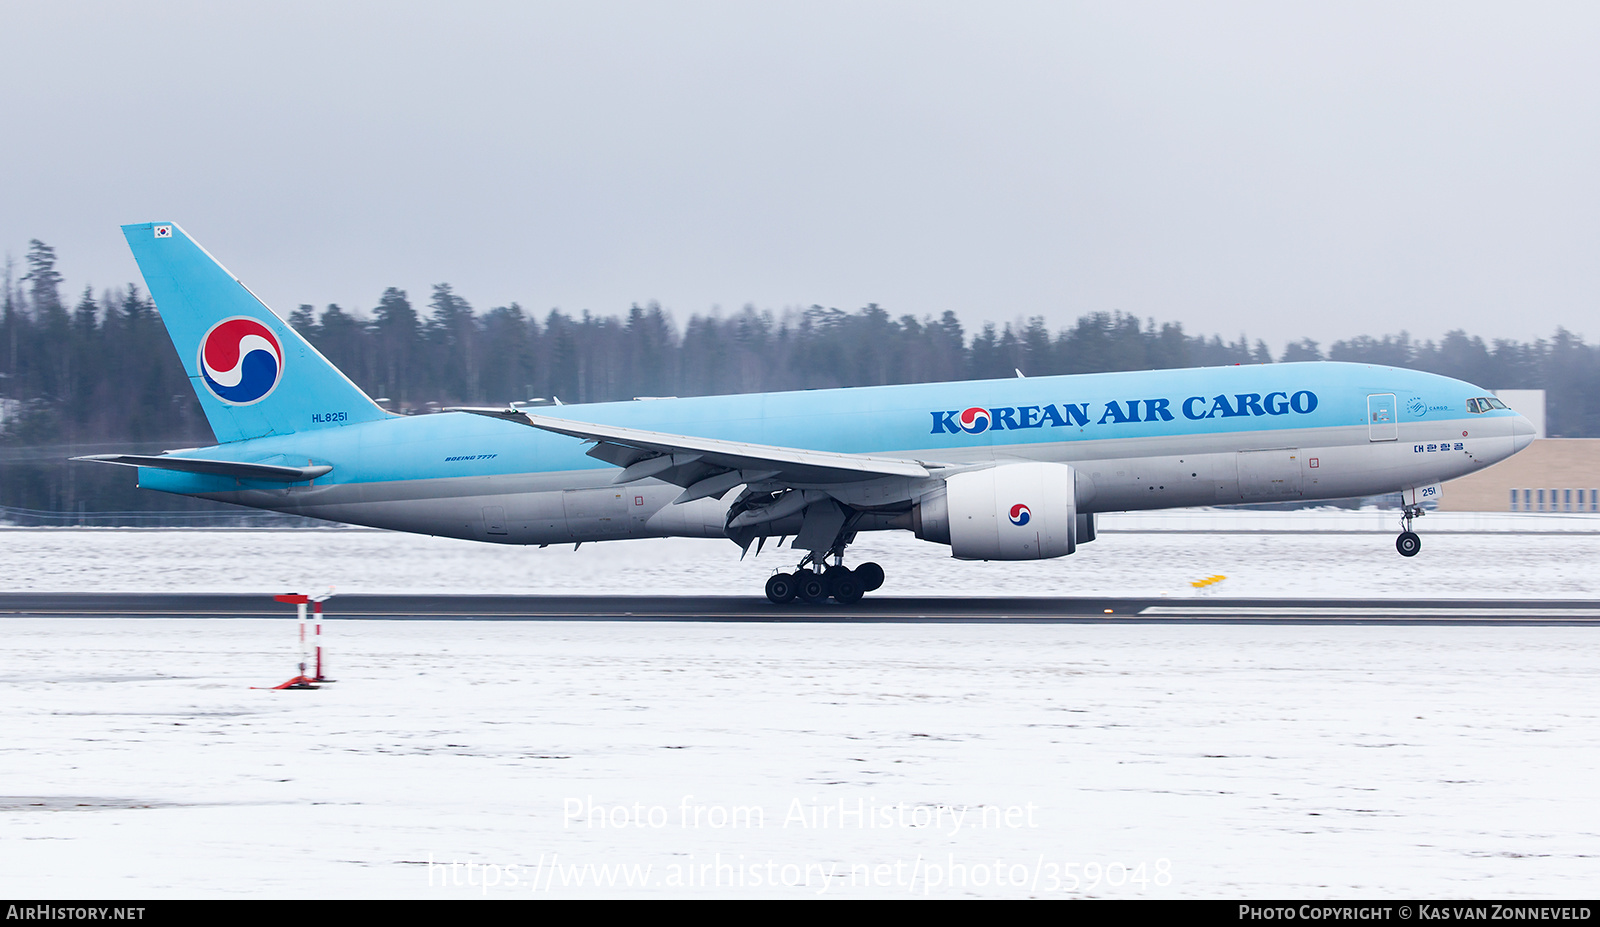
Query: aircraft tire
(871, 576)
(1408, 543)
(781, 588)
(812, 588)
(847, 588)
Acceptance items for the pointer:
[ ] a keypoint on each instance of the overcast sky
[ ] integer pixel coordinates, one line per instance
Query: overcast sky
(1280, 169)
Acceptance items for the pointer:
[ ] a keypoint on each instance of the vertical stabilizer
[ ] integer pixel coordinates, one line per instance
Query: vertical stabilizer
(254, 374)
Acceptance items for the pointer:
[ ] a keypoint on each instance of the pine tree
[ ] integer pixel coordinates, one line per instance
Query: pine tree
(397, 335)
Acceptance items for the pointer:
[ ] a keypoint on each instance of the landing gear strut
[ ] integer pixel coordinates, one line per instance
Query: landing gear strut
(814, 582)
(1408, 543)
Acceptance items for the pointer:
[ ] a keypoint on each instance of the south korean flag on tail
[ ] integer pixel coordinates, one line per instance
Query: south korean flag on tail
(163, 231)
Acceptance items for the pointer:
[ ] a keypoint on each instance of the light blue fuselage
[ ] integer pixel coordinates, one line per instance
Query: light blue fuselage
(1138, 440)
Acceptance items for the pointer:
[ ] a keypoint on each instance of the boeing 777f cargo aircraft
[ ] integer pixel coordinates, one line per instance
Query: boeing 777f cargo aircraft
(996, 469)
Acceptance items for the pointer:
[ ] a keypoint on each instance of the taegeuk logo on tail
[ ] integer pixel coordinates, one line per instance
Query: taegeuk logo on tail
(240, 361)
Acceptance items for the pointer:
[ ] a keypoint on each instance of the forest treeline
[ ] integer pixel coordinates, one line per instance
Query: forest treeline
(99, 369)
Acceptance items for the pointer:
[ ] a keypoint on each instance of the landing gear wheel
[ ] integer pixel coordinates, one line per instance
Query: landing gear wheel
(846, 586)
(870, 575)
(812, 588)
(1408, 543)
(781, 588)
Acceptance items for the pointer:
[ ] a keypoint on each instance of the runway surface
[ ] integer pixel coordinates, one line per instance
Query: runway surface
(1016, 610)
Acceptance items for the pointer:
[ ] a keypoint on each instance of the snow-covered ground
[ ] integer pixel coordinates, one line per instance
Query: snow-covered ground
(885, 760)
(1453, 563)
(759, 760)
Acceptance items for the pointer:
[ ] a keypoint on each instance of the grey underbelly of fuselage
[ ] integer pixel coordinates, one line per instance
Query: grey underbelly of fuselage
(552, 508)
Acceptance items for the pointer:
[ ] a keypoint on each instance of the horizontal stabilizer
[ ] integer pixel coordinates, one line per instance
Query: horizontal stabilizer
(243, 471)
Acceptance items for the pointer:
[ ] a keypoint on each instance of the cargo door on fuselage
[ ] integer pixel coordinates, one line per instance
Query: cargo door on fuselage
(596, 513)
(1381, 418)
(1269, 475)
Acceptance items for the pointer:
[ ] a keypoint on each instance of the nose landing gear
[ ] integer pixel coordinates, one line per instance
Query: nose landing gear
(1409, 543)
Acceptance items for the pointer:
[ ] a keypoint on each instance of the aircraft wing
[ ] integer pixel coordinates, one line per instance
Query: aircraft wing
(711, 466)
(244, 471)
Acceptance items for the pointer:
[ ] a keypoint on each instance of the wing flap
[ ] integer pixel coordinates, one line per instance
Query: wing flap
(628, 447)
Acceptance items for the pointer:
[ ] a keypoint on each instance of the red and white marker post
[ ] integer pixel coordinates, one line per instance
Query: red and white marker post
(300, 601)
(316, 609)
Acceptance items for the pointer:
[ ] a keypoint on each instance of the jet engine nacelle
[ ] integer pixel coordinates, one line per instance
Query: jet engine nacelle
(1016, 511)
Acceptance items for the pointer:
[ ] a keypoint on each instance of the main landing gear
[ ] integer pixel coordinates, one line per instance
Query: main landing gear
(813, 582)
(1408, 543)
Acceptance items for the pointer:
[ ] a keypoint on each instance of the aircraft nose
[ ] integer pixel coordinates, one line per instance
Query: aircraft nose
(1521, 433)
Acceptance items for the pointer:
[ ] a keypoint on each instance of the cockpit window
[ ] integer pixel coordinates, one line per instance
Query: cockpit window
(1484, 404)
